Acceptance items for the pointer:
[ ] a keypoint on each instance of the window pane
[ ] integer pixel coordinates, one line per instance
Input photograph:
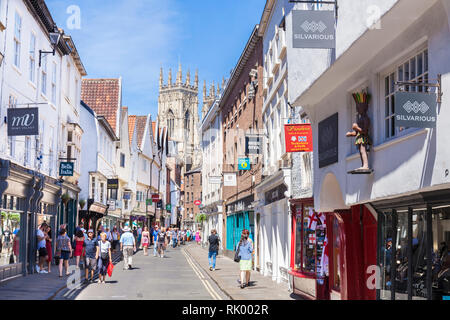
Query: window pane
(400, 73)
(401, 258)
(392, 80)
(419, 64)
(425, 61)
(386, 255)
(386, 86)
(309, 242)
(419, 261)
(441, 255)
(387, 128)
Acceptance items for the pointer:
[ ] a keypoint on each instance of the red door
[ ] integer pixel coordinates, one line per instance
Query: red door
(369, 250)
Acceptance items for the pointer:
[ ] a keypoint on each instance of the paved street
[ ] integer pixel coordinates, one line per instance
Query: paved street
(174, 277)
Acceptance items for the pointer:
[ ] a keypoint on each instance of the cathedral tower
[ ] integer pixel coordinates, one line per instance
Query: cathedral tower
(178, 111)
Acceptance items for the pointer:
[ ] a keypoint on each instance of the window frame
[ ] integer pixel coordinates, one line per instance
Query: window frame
(17, 39)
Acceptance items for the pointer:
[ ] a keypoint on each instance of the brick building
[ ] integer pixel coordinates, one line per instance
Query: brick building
(192, 193)
(241, 106)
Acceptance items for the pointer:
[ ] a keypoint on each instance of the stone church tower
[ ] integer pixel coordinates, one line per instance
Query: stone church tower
(178, 112)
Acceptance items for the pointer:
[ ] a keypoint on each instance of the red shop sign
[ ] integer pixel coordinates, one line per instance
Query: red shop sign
(298, 137)
(197, 202)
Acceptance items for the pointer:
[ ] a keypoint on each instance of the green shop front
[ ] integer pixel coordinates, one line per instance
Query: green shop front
(239, 217)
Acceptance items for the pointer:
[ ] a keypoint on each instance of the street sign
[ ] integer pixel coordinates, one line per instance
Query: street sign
(66, 169)
(328, 141)
(415, 109)
(244, 164)
(298, 137)
(155, 197)
(168, 207)
(149, 202)
(197, 202)
(112, 205)
(314, 29)
(23, 122)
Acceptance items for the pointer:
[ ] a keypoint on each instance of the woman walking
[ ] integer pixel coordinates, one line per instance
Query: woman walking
(79, 247)
(161, 242)
(115, 239)
(63, 251)
(104, 257)
(48, 246)
(145, 240)
(245, 248)
(197, 237)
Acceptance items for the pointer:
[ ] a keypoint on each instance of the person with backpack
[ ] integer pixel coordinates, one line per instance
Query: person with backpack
(213, 241)
(161, 242)
(244, 252)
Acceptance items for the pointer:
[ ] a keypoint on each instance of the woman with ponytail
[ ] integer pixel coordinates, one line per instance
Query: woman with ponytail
(245, 248)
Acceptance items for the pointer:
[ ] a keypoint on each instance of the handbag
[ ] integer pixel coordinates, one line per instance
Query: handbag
(110, 269)
(237, 258)
(104, 255)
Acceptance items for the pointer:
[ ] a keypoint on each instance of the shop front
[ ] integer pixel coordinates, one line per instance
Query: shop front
(309, 258)
(413, 246)
(239, 217)
(92, 217)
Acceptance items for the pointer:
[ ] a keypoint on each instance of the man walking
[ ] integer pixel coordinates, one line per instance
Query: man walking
(91, 250)
(213, 240)
(155, 240)
(128, 247)
(41, 247)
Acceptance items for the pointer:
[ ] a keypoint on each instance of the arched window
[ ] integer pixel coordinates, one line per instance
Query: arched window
(187, 121)
(171, 123)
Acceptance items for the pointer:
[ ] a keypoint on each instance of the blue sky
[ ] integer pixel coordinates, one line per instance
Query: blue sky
(134, 38)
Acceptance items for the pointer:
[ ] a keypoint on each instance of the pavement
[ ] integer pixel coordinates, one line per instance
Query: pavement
(183, 274)
(226, 276)
(38, 286)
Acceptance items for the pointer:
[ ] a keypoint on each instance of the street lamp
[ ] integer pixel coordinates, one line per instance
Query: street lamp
(54, 40)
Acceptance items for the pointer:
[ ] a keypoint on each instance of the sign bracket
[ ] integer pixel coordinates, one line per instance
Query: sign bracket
(438, 85)
(335, 3)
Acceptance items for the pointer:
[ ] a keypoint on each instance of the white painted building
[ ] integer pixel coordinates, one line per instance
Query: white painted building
(212, 152)
(410, 178)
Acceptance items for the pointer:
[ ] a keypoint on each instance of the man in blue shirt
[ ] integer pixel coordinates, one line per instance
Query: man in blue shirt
(128, 247)
(155, 240)
(91, 249)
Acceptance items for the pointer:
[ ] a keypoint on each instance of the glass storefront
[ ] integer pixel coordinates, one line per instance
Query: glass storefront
(10, 217)
(413, 241)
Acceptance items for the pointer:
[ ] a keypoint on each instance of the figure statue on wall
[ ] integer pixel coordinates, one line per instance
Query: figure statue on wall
(361, 130)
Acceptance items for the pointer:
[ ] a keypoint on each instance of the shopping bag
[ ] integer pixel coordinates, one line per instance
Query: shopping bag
(110, 269)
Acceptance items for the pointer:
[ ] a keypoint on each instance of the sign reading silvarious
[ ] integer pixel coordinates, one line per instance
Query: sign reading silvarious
(328, 141)
(298, 137)
(23, 122)
(66, 169)
(313, 29)
(415, 109)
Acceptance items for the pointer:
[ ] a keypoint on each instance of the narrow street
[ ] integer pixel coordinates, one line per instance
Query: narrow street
(174, 277)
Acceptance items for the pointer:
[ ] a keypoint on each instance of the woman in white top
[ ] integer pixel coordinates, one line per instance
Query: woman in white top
(104, 257)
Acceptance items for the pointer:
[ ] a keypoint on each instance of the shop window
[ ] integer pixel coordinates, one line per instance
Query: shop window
(10, 231)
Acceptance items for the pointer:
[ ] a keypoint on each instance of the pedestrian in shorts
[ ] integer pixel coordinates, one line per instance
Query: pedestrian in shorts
(63, 251)
(91, 250)
(128, 247)
(162, 242)
(41, 247)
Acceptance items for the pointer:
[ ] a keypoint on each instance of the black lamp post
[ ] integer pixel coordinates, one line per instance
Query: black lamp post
(54, 40)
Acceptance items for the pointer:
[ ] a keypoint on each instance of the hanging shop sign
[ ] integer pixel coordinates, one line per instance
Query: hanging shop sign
(229, 180)
(127, 196)
(298, 137)
(215, 180)
(112, 205)
(159, 205)
(149, 202)
(23, 122)
(328, 141)
(313, 29)
(415, 109)
(197, 202)
(155, 197)
(244, 164)
(66, 169)
(112, 184)
(168, 207)
(276, 194)
(252, 145)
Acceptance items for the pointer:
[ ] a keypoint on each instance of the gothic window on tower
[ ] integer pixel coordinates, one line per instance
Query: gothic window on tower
(171, 123)
(186, 121)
